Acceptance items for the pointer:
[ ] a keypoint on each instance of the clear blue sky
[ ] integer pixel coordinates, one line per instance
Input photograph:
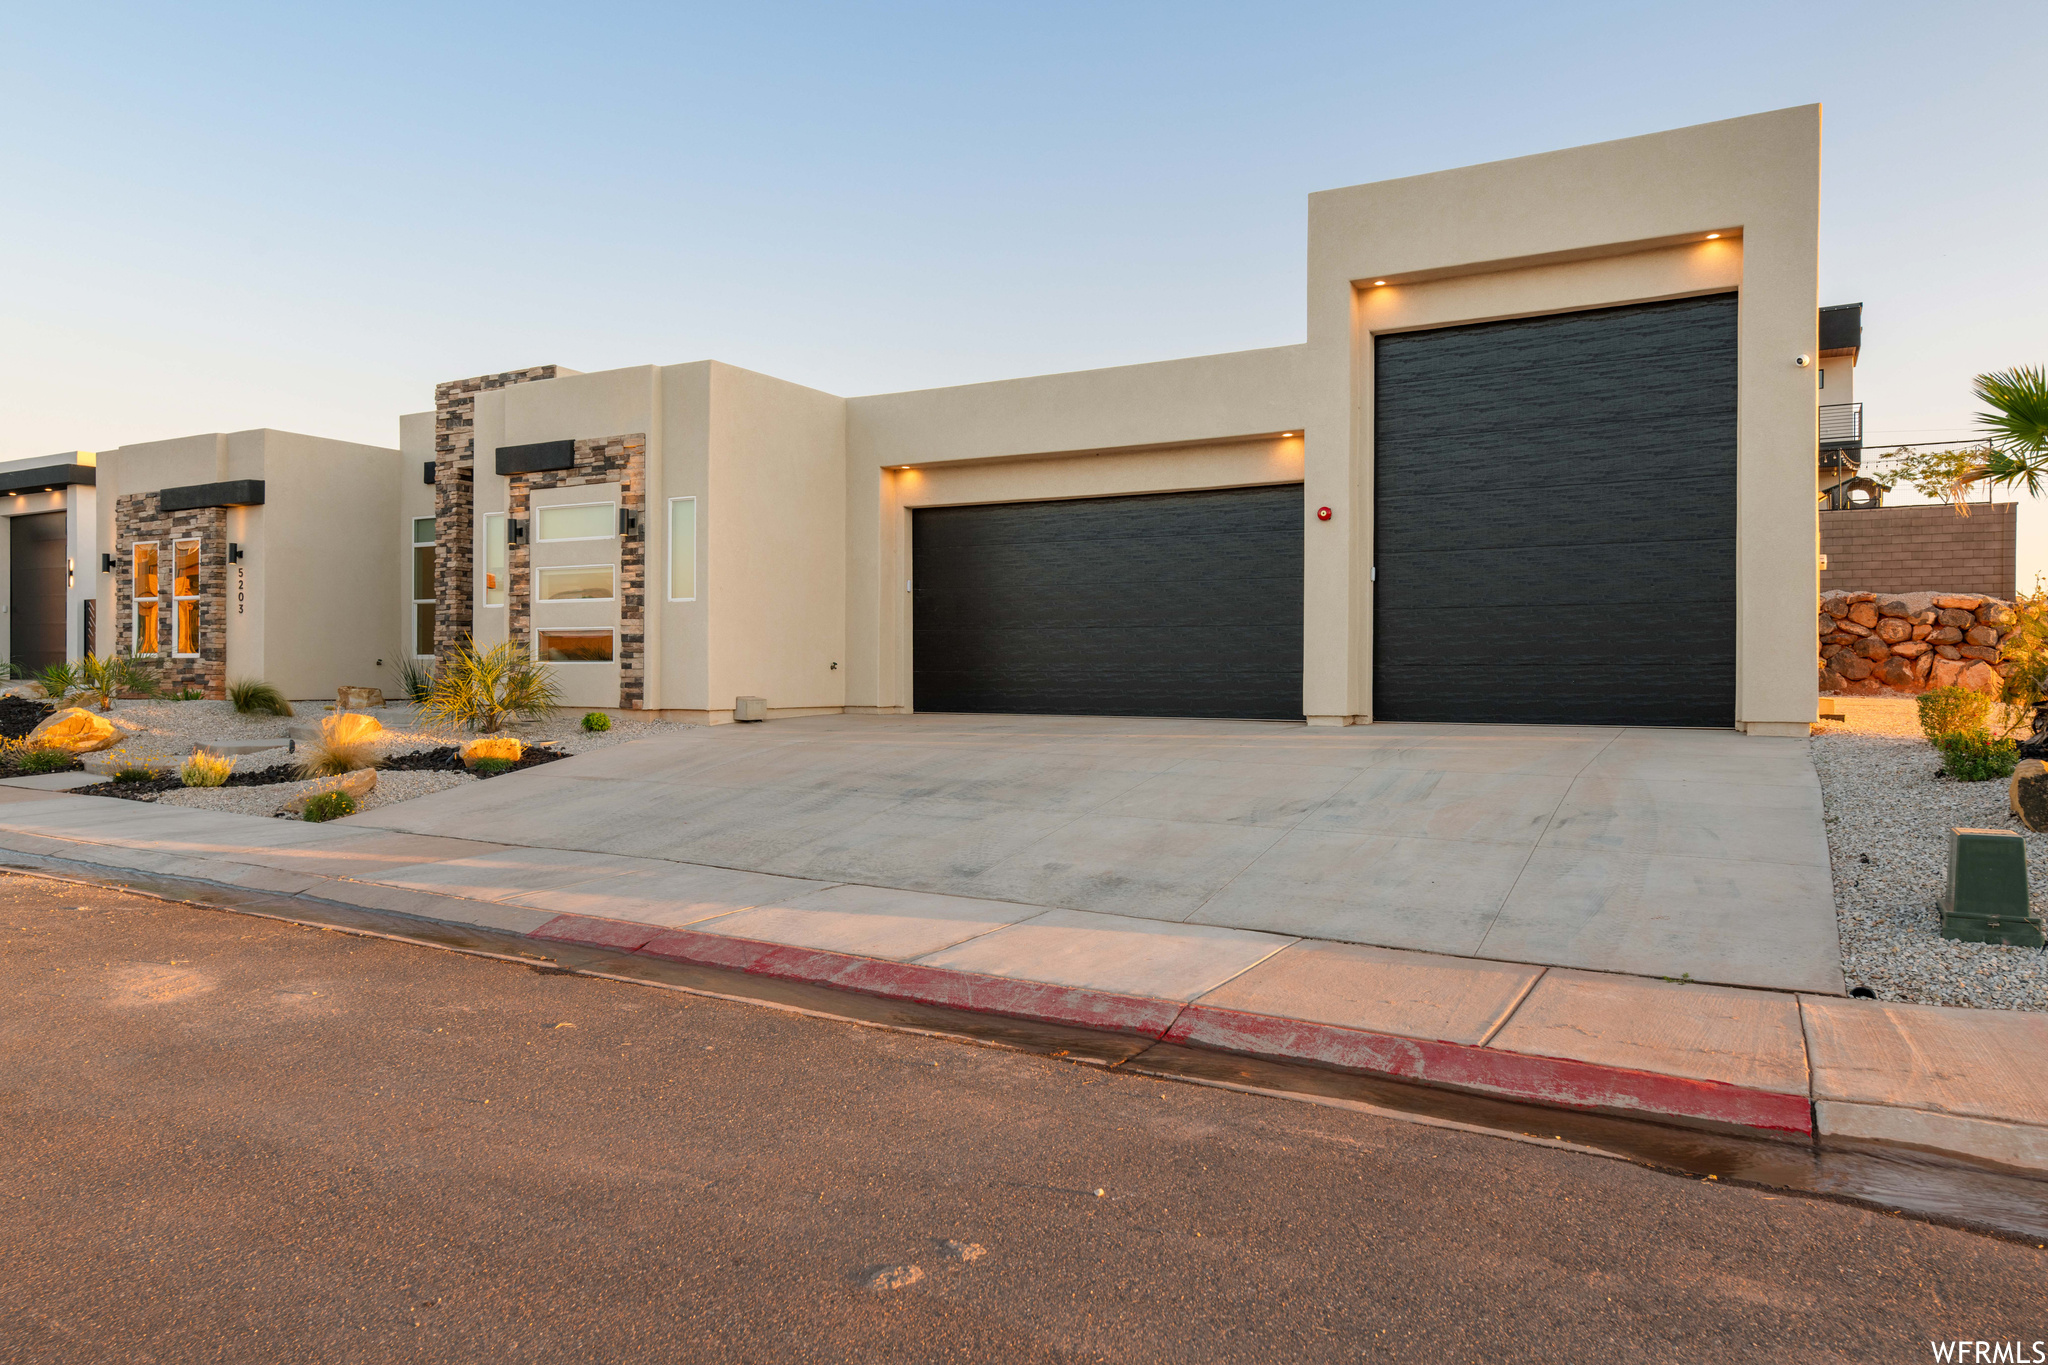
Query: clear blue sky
(219, 217)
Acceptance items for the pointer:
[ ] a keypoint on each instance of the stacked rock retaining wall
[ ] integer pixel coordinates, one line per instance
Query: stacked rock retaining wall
(1872, 643)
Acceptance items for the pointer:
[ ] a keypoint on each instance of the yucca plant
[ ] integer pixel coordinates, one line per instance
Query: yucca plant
(415, 678)
(252, 696)
(483, 690)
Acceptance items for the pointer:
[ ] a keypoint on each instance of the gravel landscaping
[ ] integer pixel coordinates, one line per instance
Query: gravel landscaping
(163, 730)
(1888, 818)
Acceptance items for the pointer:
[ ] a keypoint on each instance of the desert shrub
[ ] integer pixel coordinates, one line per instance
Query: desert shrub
(254, 697)
(135, 771)
(1974, 756)
(29, 756)
(96, 681)
(330, 806)
(483, 690)
(206, 770)
(491, 767)
(415, 678)
(329, 756)
(597, 721)
(1952, 710)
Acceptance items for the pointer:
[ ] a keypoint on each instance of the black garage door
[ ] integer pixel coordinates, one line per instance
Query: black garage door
(1171, 604)
(1554, 519)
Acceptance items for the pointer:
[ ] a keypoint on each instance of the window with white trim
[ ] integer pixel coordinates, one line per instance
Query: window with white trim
(575, 583)
(576, 521)
(682, 549)
(147, 605)
(573, 646)
(185, 594)
(423, 586)
(494, 559)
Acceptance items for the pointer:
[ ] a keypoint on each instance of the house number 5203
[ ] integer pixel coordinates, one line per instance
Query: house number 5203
(241, 587)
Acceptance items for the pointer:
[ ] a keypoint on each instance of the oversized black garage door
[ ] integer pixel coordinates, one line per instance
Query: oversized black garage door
(1171, 604)
(1554, 519)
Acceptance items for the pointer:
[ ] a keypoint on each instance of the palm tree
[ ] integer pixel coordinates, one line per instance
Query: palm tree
(2016, 427)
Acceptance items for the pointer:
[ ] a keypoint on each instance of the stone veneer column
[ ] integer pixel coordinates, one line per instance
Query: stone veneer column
(455, 499)
(140, 517)
(607, 459)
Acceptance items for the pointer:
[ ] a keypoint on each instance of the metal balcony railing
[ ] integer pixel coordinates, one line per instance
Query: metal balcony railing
(1841, 424)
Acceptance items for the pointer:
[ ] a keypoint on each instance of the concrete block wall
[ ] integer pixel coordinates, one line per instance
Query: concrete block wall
(1921, 549)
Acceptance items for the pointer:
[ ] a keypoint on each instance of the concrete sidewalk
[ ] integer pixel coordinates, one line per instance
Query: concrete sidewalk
(1960, 1082)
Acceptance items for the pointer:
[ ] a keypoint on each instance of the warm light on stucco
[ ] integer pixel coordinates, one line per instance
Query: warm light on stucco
(1712, 235)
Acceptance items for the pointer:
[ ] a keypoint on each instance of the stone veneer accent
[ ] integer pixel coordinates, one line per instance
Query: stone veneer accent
(609, 459)
(140, 517)
(455, 499)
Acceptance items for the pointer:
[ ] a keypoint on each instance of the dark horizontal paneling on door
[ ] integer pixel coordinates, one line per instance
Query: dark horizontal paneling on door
(1176, 604)
(1554, 518)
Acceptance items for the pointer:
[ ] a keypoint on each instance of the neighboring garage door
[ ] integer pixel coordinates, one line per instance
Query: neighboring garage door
(1554, 519)
(35, 595)
(1171, 604)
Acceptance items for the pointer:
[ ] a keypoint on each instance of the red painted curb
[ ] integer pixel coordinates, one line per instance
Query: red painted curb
(921, 985)
(1511, 1075)
(1543, 1080)
(590, 932)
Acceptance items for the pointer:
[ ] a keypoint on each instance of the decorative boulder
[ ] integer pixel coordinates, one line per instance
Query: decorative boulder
(1852, 667)
(1891, 630)
(358, 698)
(1893, 607)
(2028, 793)
(1896, 672)
(1835, 606)
(349, 726)
(1872, 648)
(1997, 614)
(1981, 635)
(1948, 651)
(1948, 672)
(1983, 652)
(1863, 614)
(1960, 619)
(1958, 601)
(506, 747)
(1910, 649)
(76, 730)
(1945, 635)
(1921, 632)
(1981, 677)
(1847, 627)
(358, 784)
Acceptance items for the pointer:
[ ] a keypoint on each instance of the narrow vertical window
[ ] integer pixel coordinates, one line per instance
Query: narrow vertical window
(682, 549)
(185, 593)
(423, 585)
(146, 604)
(494, 559)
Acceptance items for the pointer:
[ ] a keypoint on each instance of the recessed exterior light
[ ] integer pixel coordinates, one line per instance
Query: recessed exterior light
(1712, 235)
(1378, 282)
(1286, 435)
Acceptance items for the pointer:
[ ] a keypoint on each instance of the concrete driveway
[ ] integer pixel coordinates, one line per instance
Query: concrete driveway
(1657, 852)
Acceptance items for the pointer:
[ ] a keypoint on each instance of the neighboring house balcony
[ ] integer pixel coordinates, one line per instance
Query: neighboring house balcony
(1841, 436)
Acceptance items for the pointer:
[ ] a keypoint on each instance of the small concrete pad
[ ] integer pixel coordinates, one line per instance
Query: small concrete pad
(235, 748)
(507, 872)
(1113, 953)
(1412, 995)
(1989, 1064)
(54, 782)
(1705, 1033)
(872, 921)
(672, 895)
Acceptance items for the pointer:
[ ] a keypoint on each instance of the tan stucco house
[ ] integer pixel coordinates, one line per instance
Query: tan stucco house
(1537, 399)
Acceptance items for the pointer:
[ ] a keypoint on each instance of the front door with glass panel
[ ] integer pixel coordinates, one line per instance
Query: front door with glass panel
(573, 587)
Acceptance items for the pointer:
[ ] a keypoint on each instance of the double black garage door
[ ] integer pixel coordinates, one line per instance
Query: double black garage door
(1554, 522)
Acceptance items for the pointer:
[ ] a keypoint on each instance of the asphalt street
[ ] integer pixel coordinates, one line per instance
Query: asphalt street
(231, 1139)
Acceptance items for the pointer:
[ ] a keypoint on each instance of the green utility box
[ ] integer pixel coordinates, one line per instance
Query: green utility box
(1986, 900)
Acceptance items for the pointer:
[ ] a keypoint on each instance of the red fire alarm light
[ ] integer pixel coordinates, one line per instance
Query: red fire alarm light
(1322, 514)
